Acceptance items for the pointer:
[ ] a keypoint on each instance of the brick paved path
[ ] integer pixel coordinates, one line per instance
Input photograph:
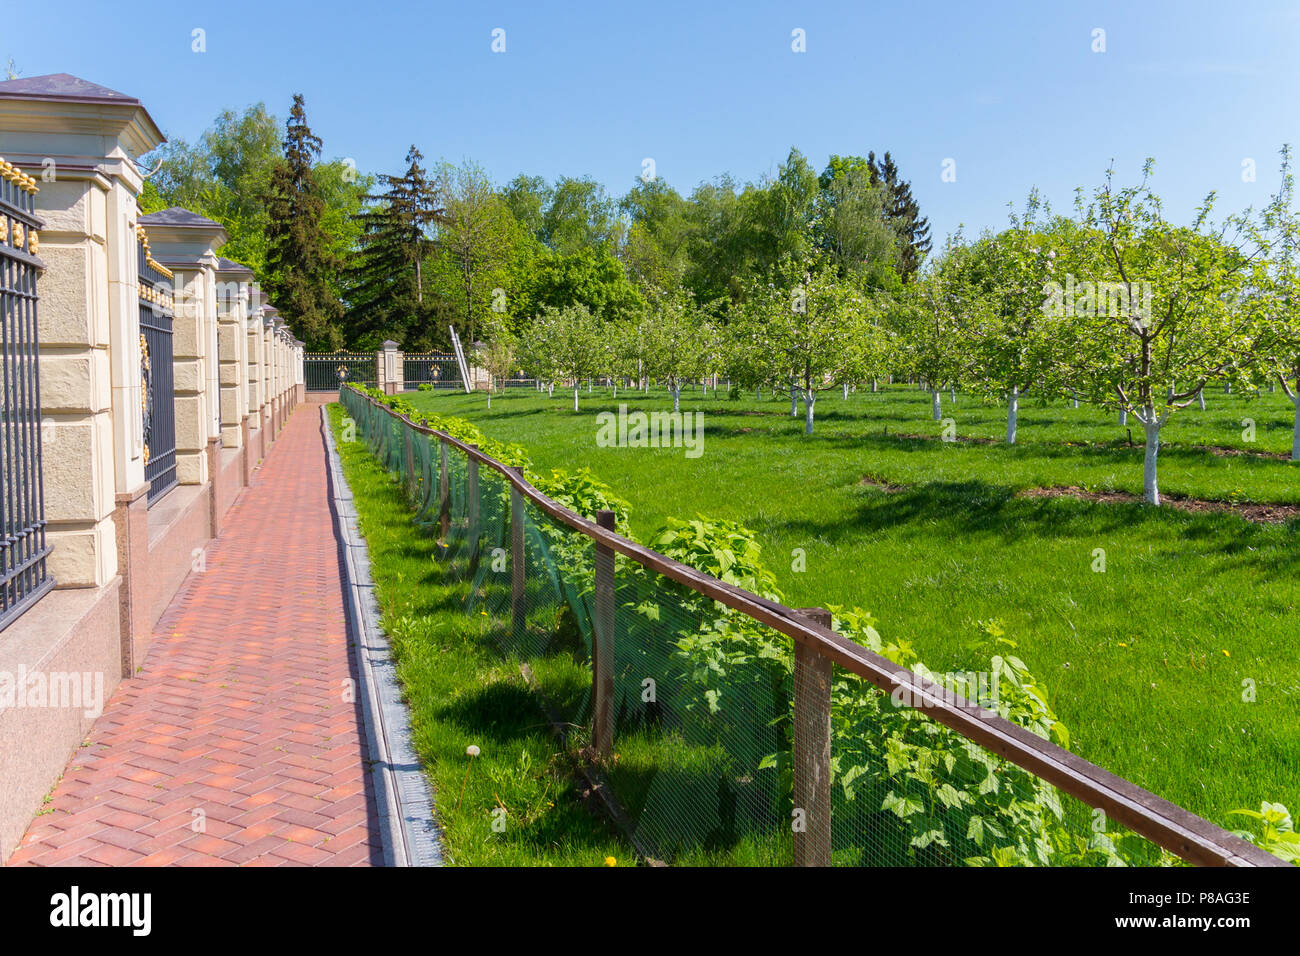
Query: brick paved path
(238, 714)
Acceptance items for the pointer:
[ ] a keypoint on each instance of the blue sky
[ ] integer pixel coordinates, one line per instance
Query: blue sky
(1012, 92)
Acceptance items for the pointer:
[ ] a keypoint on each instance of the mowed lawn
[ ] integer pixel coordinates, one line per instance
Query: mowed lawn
(1148, 662)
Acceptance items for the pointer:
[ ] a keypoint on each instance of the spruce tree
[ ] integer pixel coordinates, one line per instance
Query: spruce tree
(386, 297)
(299, 263)
(903, 214)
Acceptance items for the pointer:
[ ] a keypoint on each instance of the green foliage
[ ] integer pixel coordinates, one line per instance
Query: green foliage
(1273, 831)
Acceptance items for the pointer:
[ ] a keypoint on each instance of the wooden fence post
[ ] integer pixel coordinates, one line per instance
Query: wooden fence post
(602, 647)
(812, 749)
(444, 496)
(517, 555)
(471, 509)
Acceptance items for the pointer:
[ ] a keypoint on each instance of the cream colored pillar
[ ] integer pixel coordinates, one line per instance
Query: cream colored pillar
(253, 350)
(80, 142)
(186, 243)
(232, 349)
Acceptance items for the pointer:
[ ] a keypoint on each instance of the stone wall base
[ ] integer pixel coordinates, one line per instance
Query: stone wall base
(71, 631)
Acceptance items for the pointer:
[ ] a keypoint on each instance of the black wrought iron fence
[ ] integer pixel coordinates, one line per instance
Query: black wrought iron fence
(23, 548)
(326, 371)
(157, 371)
(438, 369)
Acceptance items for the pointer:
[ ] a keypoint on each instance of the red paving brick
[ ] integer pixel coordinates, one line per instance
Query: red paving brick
(216, 752)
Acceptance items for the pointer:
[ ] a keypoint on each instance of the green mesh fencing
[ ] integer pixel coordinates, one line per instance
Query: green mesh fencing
(712, 758)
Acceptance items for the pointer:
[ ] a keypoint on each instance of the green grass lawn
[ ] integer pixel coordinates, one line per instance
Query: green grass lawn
(1145, 661)
(462, 692)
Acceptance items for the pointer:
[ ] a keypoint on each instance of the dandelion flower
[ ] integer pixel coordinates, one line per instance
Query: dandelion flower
(472, 750)
(610, 861)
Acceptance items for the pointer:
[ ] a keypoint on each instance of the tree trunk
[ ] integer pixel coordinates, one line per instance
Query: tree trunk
(1123, 416)
(1013, 415)
(1074, 399)
(794, 402)
(952, 392)
(846, 391)
(615, 389)
(809, 400)
(935, 405)
(875, 386)
(575, 395)
(677, 397)
(1150, 487)
(759, 390)
(1200, 397)
(1295, 430)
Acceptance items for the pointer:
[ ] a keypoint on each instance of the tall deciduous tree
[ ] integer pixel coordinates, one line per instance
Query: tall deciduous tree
(476, 236)
(302, 269)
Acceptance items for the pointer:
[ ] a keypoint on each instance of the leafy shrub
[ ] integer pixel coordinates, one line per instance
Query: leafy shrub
(1276, 832)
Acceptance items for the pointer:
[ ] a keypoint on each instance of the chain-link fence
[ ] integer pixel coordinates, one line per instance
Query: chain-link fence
(726, 728)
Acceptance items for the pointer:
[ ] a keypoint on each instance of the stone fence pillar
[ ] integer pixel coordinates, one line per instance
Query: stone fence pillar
(186, 243)
(390, 368)
(79, 140)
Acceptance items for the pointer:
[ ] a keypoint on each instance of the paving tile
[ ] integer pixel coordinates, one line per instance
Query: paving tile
(236, 711)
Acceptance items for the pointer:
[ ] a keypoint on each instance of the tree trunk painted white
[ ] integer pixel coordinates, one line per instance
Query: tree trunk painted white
(1295, 429)
(550, 390)
(794, 402)
(809, 400)
(875, 386)
(1227, 388)
(1013, 415)
(1149, 485)
(575, 396)
(846, 391)
(1123, 416)
(1074, 399)
(1200, 397)
(588, 386)
(677, 398)
(616, 389)
(936, 406)
(953, 393)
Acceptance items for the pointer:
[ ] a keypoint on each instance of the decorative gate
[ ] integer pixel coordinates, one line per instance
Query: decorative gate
(438, 369)
(158, 401)
(326, 371)
(23, 576)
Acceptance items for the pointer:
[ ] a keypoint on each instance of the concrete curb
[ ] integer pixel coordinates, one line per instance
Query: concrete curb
(410, 833)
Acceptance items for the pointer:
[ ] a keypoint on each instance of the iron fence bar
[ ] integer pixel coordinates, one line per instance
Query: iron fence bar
(1166, 824)
(24, 577)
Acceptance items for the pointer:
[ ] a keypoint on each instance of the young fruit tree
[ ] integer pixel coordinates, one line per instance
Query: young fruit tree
(1161, 309)
(1279, 326)
(678, 341)
(807, 329)
(576, 344)
(498, 357)
(935, 317)
(1012, 348)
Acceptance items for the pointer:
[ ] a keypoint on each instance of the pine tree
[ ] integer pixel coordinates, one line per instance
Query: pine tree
(386, 297)
(299, 263)
(903, 214)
